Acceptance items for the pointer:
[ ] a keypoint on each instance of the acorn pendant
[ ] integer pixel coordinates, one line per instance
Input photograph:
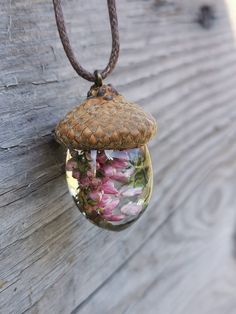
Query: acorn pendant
(108, 166)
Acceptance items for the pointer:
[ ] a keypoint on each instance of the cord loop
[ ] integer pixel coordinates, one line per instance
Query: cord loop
(69, 51)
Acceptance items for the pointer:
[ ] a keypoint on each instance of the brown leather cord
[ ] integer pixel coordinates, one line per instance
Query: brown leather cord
(69, 51)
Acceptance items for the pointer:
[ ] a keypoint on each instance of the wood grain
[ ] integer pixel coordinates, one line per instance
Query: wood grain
(180, 257)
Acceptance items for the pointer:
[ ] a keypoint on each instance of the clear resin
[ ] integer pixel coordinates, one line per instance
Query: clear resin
(111, 188)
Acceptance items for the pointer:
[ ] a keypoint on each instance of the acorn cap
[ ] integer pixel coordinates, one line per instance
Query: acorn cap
(105, 120)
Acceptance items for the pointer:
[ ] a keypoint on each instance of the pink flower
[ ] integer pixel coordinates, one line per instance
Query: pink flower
(119, 163)
(96, 183)
(71, 164)
(114, 217)
(129, 191)
(123, 176)
(107, 203)
(108, 208)
(109, 188)
(90, 174)
(105, 200)
(109, 170)
(76, 174)
(84, 182)
(95, 196)
(101, 158)
(131, 209)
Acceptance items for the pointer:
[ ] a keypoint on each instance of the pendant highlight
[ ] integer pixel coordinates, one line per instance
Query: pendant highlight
(108, 165)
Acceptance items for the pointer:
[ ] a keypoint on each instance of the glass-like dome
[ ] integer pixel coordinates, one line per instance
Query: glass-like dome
(111, 188)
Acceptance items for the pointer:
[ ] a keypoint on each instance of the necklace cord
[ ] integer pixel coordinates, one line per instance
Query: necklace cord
(92, 77)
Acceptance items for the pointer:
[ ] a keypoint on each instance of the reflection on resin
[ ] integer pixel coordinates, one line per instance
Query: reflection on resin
(111, 188)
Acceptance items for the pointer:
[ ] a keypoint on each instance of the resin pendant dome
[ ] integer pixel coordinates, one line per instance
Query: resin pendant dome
(111, 188)
(108, 166)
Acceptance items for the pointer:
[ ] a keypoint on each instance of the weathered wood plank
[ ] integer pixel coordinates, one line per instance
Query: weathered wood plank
(185, 267)
(52, 259)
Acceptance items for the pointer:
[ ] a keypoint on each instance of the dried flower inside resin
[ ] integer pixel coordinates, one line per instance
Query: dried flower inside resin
(111, 188)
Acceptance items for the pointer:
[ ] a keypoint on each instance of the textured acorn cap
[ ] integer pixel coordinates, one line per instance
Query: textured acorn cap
(105, 120)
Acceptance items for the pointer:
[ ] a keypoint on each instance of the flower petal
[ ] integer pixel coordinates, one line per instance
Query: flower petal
(71, 164)
(101, 158)
(109, 188)
(119, 163)
(76, 174)
(84, 182)
(108, 170)
(95, 196)
(110, 206)
(131, 209)
(130, 191)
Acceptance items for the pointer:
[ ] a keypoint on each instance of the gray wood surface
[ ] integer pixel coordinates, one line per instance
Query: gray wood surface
(180, 257)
